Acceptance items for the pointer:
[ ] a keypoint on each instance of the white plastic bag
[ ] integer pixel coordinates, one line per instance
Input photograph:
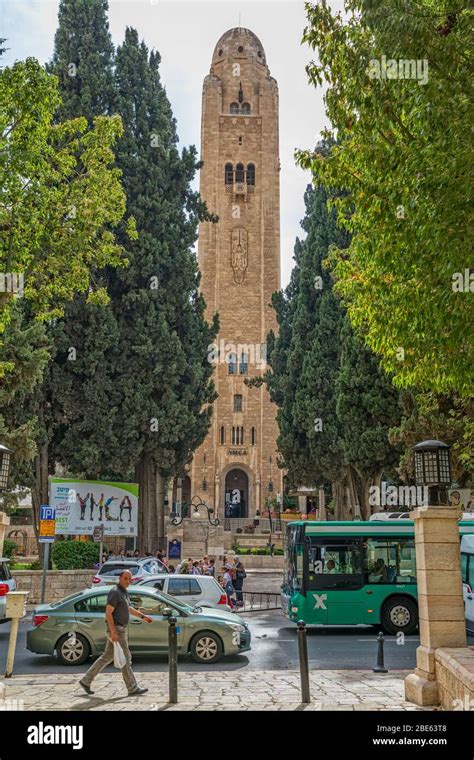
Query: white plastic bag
(119, 656)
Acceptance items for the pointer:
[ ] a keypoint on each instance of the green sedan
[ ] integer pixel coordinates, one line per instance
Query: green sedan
(74, 627)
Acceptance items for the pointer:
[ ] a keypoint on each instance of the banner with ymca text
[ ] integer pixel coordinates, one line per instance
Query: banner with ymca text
(82, 505)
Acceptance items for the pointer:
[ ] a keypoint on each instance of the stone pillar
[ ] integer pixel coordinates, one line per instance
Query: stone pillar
(440, 597)
(4, 522)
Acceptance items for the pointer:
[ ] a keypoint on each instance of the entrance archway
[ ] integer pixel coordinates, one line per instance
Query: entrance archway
(236, 493)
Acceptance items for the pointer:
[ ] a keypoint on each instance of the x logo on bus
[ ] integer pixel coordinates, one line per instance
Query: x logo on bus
(320, 599)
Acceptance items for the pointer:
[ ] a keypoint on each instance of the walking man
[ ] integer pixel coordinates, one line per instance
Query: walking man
(117, 613)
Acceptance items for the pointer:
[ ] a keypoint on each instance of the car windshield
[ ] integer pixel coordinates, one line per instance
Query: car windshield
(116, 568)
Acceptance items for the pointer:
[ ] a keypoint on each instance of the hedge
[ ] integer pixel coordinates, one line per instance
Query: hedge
(260, 552)
(75, 555)
(8, 548)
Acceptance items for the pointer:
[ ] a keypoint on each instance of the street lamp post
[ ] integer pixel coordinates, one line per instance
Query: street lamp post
(438, 571)
(5, 455)
(433, 470)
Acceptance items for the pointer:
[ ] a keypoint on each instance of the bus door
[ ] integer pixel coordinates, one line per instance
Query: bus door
(335, 582)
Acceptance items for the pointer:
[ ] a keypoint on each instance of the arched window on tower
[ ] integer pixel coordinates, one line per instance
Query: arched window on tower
(222, 436)
(229, 174)
(239, 173)
(253, 439)
(232, 362)
(245, 109)
(234, 108)
(250, 174)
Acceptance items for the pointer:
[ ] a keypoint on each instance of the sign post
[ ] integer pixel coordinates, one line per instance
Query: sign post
(98, 535)
(47, 529)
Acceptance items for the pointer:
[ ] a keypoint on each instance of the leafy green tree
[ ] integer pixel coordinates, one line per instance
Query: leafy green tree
(59, 197)
(402, 155)
(58, 193)
(446, 417)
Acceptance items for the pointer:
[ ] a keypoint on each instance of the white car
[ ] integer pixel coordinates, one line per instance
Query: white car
(389, 516)
(7, 583)
(195, 590)
(467, 565)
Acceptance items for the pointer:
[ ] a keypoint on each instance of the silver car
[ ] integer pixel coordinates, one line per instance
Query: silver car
(139, 568)
(7, 583)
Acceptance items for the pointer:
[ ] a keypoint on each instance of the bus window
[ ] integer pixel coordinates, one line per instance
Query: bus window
(334, 563)
(293, 572)
(390, 560)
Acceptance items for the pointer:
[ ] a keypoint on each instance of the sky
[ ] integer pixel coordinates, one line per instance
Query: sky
(185, 33)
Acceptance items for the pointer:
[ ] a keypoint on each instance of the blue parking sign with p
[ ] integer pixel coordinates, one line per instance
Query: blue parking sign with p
(47, 512)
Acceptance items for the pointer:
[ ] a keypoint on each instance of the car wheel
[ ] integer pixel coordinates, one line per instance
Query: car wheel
(399, 614)
(73, 650)
(206, 647)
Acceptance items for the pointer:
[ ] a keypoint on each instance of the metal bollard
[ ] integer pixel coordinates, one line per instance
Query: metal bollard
(173, 661)
(304, 670)
(380, 666)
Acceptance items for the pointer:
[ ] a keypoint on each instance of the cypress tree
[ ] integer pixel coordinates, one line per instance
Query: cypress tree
(163, 369)
(335, 404)
(135, 400)
(83, 59)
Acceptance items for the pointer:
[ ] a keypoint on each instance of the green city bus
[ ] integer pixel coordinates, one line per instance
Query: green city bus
(352, 573)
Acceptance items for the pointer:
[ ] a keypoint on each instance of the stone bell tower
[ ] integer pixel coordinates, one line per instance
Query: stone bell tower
(235, 470)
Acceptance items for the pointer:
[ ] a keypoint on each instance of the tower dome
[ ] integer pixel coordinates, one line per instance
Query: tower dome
(238, 43)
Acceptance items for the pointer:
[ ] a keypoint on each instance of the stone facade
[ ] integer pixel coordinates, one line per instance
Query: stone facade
(239, 258)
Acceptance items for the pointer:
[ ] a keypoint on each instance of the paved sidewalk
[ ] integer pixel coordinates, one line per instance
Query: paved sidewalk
(212, 690)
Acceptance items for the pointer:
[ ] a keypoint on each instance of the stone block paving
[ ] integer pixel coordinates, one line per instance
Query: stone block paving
(212, 690)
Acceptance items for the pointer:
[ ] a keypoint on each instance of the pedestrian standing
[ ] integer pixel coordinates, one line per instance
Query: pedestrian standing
(117, 614)
(211, 570)
(240, 576)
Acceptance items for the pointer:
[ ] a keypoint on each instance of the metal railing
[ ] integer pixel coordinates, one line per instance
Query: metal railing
(264, 524)
(257, 601)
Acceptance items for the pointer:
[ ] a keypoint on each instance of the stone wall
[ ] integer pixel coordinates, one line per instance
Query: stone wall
(59, 583)
(255, 562)
(4, 523)
(455, 677)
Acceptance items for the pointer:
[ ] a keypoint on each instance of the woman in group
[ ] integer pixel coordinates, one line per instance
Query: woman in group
(228, 583)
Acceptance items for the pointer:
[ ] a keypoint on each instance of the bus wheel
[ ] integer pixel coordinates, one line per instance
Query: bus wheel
(399, 614)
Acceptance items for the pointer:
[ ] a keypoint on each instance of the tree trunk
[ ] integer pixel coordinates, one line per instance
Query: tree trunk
(160, 506)
(39, 492)
(353, 495)
(338, 498)
(145, 473)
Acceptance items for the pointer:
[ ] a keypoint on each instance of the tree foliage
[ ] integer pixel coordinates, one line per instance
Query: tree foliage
(403, 154)
(59, 193)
